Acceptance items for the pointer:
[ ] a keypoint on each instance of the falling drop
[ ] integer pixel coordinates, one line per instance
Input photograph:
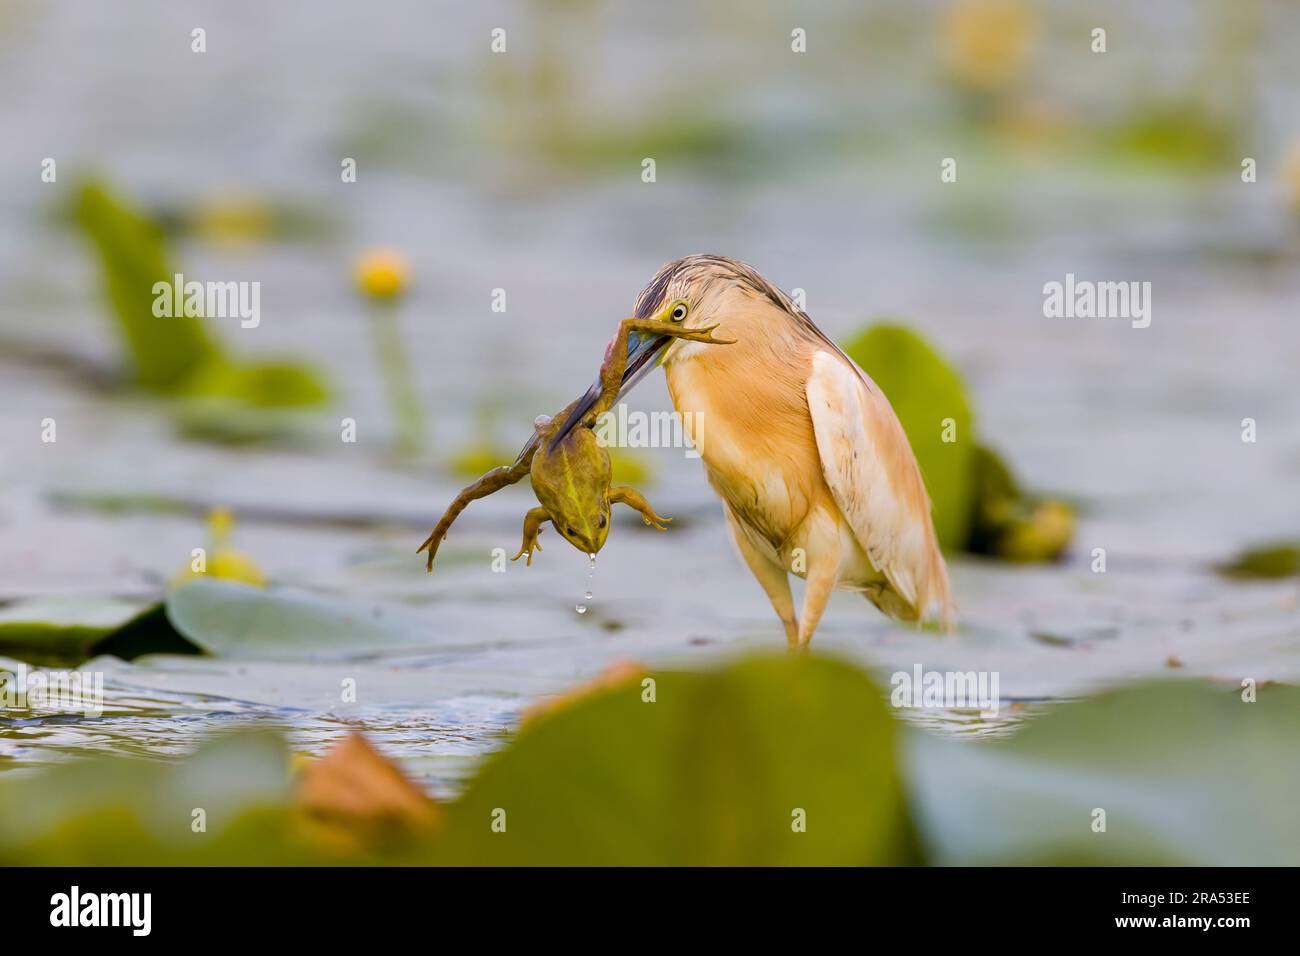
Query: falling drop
(591, 572)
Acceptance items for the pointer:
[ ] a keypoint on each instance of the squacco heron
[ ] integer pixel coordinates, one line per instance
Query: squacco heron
(814, 471)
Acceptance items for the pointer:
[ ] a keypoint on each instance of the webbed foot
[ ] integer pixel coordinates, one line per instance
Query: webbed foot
(532, 529)
(634, 499)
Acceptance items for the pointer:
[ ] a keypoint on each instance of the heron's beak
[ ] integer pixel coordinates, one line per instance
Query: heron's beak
(643, 353)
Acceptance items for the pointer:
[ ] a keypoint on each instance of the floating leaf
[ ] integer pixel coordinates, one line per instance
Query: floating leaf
(231, 619)
(60, 630)
(149, 632)
(1279, 559)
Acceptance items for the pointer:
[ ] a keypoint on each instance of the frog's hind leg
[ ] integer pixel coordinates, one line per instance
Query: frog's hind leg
(634, 499)
(532, 528)
(493, 481)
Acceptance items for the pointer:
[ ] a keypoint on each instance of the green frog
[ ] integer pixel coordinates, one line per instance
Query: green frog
(571, 474)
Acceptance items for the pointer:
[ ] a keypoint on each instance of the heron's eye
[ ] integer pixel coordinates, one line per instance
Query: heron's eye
(679, 312)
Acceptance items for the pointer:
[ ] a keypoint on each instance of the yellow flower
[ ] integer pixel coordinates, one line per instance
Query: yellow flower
(382, 273)
(986, 42)
(236, 566)
(222, 561)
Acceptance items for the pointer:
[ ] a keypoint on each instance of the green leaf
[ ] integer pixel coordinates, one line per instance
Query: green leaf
(149, 632)
(279, 384)
(59, 630)
(924, 391)
(236, 620)
(1186, 772)
(1280, 559)
(1010, 525)
(165, 352)
(714, 772)
(129, 812)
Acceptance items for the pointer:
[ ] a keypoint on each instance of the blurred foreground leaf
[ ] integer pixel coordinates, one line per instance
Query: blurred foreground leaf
(763, 761)
(1187, 774)
(720, 769)
(114, 811)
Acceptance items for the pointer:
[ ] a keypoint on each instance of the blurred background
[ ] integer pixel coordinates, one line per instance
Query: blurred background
(522, 171)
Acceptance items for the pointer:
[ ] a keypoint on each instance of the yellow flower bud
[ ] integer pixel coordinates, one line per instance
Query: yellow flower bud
(382, 273)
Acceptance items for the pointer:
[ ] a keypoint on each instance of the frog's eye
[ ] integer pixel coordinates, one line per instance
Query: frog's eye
(570, 532)
(679, 311)
(601, 521)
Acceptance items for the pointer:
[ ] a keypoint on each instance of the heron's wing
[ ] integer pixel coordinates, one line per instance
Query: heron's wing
(876, 482)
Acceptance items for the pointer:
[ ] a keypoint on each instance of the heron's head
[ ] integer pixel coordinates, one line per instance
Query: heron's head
(693, 292)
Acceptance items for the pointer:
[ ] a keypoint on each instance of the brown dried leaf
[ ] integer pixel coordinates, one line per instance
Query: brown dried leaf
(356, 799)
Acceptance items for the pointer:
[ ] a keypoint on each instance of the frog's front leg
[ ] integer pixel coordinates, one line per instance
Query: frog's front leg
(615, 364)
(634, 499)
(532, 528)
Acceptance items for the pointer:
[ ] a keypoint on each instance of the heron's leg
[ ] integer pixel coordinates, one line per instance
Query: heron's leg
(532, 528)
(493, 481)
(773, 578)
(823, 574)
(634, 499)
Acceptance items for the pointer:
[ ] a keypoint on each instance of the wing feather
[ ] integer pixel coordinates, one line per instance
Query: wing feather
(876, 482)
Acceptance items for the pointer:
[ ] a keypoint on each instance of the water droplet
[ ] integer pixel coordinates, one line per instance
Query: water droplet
(591, 573)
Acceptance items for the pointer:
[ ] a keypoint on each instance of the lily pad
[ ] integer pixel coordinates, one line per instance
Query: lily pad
(239, 621)
(1277, 560)
(768, 761)
(60, 630)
